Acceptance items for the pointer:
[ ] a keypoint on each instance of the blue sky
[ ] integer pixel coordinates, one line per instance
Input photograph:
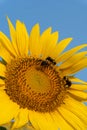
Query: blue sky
(69, 17)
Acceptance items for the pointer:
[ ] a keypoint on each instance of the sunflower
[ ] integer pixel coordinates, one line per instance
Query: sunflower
(38, 88)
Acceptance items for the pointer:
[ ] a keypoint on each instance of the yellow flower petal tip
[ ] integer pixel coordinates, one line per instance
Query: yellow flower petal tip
(36, 89)
(35, 28)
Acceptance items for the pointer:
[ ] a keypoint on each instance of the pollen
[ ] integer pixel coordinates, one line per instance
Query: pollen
(34, 85)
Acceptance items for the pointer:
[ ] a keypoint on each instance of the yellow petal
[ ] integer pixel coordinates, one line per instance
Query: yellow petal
(21, 119)
(33, 121)
(2, 70)
(61, 46)
(2, 88)
(48, 121)
(5, 42)
(3, 96)
(13, 35)
(75, 79)
(22, 38)
(75, 68)
(69, 53)
(50, 45)
(2, 82)
(76, 58)
(43, 40)
(5, 54)
(60, 121)
(79, 95)
(71, 118)
(35, 40)
(51, 123)
(79, 87)
(77, 108)
(42, 121)
(8, 108)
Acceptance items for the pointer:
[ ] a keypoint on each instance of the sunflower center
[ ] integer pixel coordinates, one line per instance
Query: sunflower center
(34, 84)
(37, 80)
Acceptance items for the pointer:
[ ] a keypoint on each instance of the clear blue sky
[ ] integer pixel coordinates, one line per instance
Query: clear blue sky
(69, 17)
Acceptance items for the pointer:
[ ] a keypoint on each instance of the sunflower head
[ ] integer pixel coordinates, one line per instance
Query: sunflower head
(36, 80)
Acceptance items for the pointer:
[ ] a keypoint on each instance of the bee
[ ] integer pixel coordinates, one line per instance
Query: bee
(51, 60)
(44, 63)
(68, 82)
(47, 61)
